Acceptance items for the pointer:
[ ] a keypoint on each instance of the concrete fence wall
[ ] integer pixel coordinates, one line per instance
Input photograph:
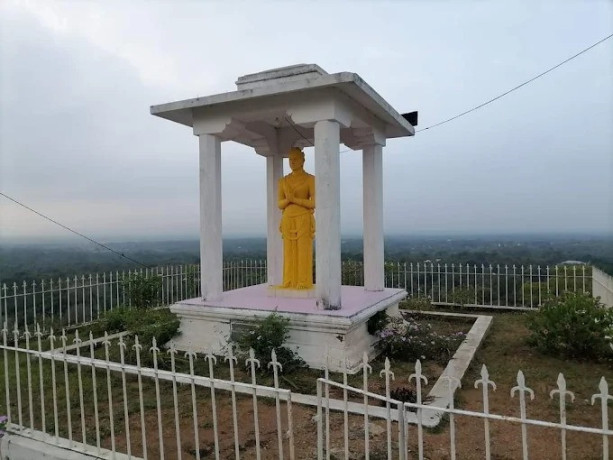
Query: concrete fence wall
(602, 286)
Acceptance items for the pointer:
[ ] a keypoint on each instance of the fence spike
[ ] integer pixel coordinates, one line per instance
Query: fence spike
(562, 389)
(51, 339)
(230, 358)
(521, 386)
(418, 376)
(154, 348)
(252, 360)
(273, 361)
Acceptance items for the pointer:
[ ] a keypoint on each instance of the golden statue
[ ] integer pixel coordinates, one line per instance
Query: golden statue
(297, 200)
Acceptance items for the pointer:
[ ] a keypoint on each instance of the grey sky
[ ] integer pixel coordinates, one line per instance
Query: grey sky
(77, 141)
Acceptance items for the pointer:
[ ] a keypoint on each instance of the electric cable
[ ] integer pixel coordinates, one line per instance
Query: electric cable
(74, 231)
(518, 86)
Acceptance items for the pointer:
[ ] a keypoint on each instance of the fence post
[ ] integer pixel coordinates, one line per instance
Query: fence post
(562, 394)
(387, 373)
(320, 441)
(276, 367)
(56, 424)
(38, 336)
(604, 402)
(7, 393)
(451, 381)
(137, 348)
(172, 351)
(231, 359)
(63, 338)
(485, 383)
(418, 376)
(212, 359)
(155, 350)
(126, 415)
(251, 363)
(77, 341)
(522, 389)
(366, 369)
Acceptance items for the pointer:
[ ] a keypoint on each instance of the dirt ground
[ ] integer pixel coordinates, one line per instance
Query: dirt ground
(504, 351)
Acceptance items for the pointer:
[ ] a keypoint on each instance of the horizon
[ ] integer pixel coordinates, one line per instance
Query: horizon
(134, 239)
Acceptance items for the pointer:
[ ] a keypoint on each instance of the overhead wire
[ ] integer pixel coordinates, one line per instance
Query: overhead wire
(518, 86)
(73, 231)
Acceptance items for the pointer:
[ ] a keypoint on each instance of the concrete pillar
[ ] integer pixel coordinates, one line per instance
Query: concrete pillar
(211, 256)
(372, 172)
(274, 242)
(327, 213)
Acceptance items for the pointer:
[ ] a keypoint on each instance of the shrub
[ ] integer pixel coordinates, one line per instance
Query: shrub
(407, 340)
(142, 289)
(575, 325)
(158, 323)
(419, 302)
(462, 296)
(267, 334)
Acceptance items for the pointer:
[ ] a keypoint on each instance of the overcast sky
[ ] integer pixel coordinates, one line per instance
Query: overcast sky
(77, 141)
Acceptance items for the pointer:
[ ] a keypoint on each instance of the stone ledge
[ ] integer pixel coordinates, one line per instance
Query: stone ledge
(313, 334)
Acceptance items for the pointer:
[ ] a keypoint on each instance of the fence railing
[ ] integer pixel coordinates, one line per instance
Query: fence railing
(80, 299)
(116, 394)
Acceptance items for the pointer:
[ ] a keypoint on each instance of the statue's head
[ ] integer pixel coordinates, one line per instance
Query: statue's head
(296, 159)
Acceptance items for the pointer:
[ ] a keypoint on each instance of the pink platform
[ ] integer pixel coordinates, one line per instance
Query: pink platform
(354, 299)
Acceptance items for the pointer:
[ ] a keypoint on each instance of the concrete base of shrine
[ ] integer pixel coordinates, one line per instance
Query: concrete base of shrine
(208, 326)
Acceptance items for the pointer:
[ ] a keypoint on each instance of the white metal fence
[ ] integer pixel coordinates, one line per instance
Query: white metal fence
(114, 393)
(80, 299)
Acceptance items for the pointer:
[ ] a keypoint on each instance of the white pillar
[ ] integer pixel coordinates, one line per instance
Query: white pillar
(211, 258)
(274, 243)
(328, 210)
(372, 172)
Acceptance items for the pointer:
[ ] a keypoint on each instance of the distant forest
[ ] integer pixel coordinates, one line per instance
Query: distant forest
(27, 262)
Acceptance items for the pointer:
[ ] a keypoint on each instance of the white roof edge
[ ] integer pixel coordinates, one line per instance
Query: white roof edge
(340, 80)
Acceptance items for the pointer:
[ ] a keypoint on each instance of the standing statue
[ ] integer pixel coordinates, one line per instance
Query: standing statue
(297, 201)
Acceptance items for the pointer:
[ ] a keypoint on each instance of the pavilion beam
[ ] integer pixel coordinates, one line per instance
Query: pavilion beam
(274, 242)
(211, 256)
(328, 234)
(372, 171)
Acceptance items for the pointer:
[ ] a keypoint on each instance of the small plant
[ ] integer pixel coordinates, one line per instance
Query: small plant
(419, 303)
(575, 325)
(462, 296)
(158, 323)
(3, 421)
(266, 335)
(408, 340)
(143, 290)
